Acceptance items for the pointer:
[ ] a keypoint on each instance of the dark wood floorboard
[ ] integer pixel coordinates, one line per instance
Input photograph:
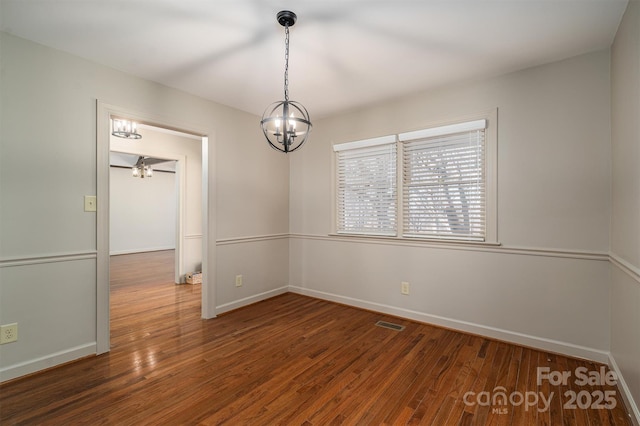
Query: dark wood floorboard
(290, 360)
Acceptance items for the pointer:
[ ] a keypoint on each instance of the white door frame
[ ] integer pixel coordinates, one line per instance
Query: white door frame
(104, 113)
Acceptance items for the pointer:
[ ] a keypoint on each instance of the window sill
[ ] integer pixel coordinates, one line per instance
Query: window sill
(416, 240)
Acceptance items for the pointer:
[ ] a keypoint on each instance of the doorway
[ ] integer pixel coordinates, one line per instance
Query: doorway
(149, 209)
(186, 240)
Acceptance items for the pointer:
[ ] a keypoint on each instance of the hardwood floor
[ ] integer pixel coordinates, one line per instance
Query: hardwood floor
(291, 360)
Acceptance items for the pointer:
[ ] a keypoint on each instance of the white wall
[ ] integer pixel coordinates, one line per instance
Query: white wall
(142, 211)
(625, 202)
(547, 285)
(48, 243)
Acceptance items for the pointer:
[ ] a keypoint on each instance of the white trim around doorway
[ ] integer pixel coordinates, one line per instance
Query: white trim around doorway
(104, 113)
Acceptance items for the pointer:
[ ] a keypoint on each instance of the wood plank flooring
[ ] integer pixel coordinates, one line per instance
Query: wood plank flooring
(291, 360)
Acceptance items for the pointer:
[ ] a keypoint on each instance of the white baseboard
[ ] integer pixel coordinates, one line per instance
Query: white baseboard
(250, 300)
(632, 407)
(494, 333)
(52, 360)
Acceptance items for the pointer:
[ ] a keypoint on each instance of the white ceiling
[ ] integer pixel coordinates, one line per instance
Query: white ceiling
(344, 54)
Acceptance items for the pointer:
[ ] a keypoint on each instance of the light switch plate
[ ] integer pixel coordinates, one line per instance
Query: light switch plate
(90, 203)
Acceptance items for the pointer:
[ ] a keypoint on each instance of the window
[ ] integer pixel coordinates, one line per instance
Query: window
(366, 195)
(437, 183)
(444, 182)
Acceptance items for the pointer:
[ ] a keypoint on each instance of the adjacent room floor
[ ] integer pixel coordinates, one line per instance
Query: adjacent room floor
(295, 360)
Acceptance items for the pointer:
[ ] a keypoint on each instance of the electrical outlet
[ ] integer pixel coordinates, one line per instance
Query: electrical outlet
(404, 287)
(238, 280)
(8, 333)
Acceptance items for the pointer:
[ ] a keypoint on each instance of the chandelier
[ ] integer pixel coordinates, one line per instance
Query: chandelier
(286, 124)
(125, 129)
(141, 170)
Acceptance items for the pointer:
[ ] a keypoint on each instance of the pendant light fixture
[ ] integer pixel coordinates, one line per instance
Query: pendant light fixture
(141, 170)
(286, 124)
(125, 129)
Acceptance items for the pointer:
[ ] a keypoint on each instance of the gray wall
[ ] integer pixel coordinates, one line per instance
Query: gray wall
(625, 202)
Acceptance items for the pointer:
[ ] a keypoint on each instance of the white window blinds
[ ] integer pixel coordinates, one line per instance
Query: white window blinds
(366, 187)
(444, 185)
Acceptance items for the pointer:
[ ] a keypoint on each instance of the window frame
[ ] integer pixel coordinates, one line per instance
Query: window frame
(490, 170)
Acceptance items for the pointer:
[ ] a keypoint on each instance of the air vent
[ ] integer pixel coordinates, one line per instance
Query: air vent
(390, 325)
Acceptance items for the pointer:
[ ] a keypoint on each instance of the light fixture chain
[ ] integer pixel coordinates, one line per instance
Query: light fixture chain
(286, 63)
